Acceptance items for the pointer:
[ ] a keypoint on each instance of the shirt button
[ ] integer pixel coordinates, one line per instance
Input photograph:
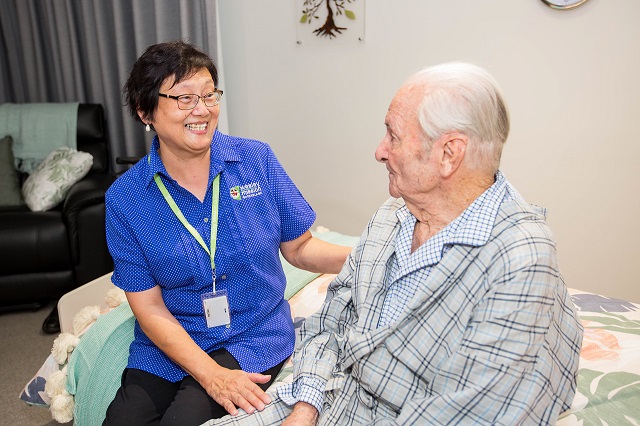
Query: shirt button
(206, 219)
(223, 277)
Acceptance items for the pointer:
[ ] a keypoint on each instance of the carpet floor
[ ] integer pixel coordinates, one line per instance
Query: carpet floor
(23, 350)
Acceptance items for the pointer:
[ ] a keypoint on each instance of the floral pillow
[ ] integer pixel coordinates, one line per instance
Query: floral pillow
(50, 182)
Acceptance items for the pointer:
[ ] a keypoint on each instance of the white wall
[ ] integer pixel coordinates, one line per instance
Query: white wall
(570, 79)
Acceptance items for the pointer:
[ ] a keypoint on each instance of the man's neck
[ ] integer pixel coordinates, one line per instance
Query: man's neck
(434, 212)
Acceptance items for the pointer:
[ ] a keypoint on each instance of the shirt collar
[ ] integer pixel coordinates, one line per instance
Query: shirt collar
(473, 227)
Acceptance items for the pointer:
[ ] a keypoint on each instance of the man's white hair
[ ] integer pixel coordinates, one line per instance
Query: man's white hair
(465, 98)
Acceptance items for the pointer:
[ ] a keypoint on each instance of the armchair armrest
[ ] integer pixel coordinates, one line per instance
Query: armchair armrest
(84, 208)
(88, 191)
(127, 160)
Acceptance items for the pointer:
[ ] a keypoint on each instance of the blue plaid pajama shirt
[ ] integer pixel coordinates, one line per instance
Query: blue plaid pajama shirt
(491, 337)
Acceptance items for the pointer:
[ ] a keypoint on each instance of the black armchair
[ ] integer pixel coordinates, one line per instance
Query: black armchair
(46, 254)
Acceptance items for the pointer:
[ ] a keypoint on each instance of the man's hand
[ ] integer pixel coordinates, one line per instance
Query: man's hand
(303, 414)
(236, 388)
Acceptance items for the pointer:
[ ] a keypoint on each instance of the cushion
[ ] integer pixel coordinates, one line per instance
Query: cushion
(49, 184)
(9, 179)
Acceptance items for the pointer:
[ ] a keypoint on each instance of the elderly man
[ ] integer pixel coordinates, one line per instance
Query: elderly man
(451, 309)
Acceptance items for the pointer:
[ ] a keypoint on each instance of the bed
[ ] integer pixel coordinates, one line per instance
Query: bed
(79, 379)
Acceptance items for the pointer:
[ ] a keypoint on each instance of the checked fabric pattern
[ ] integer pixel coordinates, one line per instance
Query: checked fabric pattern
(492, 336)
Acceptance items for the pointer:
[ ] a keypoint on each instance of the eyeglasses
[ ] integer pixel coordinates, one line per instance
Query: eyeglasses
(190, 101)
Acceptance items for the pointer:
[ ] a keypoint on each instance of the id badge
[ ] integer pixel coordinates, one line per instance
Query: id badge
(216, 308)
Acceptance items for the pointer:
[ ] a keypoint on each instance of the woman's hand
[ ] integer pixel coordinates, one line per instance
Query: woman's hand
(236, 388)
(229, 388)
(303, 414)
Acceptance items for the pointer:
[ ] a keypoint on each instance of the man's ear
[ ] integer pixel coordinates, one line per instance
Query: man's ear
(453, 151)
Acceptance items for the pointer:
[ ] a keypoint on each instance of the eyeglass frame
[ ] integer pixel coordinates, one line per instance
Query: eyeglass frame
(218, 93)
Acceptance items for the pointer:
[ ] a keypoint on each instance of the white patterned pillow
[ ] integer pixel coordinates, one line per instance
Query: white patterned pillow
(49, 184)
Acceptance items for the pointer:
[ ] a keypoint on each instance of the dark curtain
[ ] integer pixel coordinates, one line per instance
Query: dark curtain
(83, 51)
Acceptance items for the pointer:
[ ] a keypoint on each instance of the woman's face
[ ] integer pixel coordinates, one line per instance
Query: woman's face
(186, 131)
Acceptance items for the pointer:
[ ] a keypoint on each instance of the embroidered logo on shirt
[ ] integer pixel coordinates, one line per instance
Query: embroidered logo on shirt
(245, 191)
(235, 193)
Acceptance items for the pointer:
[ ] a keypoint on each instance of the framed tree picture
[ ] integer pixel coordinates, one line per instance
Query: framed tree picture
(329, 22)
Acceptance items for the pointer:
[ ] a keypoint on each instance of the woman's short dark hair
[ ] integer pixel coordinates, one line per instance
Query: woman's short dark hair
(175, 58)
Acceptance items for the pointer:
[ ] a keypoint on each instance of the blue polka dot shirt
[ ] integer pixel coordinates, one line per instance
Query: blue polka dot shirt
(260, 207)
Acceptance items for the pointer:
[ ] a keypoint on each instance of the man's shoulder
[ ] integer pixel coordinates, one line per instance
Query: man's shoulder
(517, 211)
(391, 205)
(517, 221)
(387, 211)
(383, 224)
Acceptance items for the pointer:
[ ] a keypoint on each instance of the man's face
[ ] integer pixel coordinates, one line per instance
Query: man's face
(412, 170)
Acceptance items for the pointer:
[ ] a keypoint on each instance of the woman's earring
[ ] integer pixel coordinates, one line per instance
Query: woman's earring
(147, 128)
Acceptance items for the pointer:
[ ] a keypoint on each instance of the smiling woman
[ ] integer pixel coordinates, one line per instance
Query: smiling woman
(195, 230)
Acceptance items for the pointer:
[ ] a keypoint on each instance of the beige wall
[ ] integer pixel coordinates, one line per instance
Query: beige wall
(571, 79)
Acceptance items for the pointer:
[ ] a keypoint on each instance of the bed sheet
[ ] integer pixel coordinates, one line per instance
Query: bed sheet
(609, 372)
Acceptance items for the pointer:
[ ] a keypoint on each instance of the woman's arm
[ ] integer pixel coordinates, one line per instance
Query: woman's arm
(230, 388)
(313, 254)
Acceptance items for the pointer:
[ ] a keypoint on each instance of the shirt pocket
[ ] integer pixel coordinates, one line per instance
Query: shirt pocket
(256, 223)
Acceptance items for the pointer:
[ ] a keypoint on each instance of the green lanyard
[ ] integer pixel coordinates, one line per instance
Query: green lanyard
(215, 201)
